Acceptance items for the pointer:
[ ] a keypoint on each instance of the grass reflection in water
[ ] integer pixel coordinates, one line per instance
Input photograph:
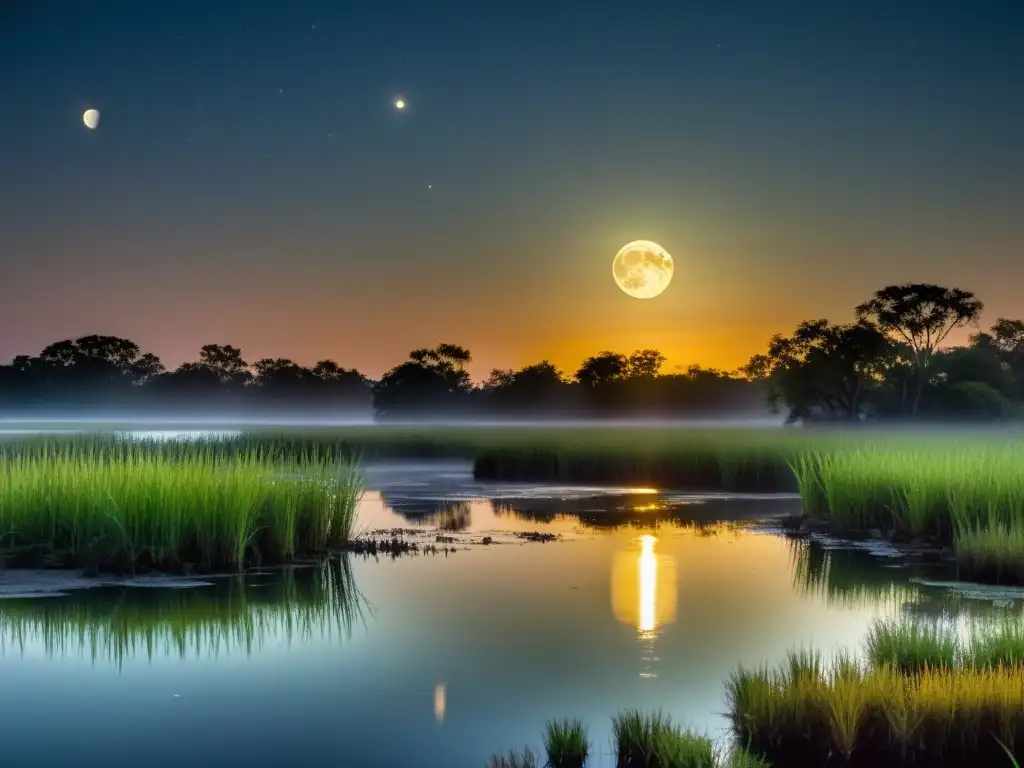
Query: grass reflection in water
(239, 615)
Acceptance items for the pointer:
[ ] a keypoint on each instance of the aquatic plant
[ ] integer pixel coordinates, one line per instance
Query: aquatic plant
(190, 505)
(566, 743)
(911, 646)
(991, 552)
(737, 460)
(968, 492)
(804, 712)
(652, 740)
(995, 643)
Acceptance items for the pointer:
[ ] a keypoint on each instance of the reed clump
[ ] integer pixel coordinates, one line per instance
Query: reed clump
(189, 506)
(652, 740)
(639, 739)
(898, 709)
(566, 743)
(965, 493)
(727, 460)
(912, 646)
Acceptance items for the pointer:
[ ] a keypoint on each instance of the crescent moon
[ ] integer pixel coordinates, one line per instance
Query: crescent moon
(642, 269)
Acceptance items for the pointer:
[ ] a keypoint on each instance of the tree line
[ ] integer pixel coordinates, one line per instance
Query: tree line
(111, 375)
(891, 362)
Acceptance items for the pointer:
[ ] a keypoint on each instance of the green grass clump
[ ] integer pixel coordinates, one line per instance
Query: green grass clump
(992, 552)
(189, 505)
(915, 487)
(911, 646)
(967, 492)
(995, 644)
(909, 712)
(566, 743)
(652, 740)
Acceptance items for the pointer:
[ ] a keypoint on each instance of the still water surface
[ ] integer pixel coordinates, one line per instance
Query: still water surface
(648, 600)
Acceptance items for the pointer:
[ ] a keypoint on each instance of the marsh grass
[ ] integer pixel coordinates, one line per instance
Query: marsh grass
(964, 492)
(652, 740)
(994, 644)
(118, 506)
(116, 624)
(734, 460)
(566, 743)
(992, 552)
(903, 712)
(963, 488)
(911, 646)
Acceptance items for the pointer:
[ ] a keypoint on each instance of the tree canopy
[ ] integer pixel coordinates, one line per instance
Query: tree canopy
(893, 360)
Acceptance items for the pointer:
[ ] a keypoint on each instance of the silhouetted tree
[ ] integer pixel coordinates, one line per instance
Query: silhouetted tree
(535, 389)
(921, 315)
(644, 364)
(431, 381)
(822, 366)
(601, 369)
(226, 361)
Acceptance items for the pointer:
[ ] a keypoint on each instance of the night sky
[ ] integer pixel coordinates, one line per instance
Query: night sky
(252, 183)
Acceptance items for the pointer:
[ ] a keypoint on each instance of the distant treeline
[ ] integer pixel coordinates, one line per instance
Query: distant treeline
(889, 363)
(110, 375)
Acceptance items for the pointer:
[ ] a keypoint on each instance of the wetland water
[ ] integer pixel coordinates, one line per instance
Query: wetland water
(647, 600)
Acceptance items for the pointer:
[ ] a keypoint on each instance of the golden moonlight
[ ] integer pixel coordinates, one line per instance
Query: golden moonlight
(642, 269)
(91, 118)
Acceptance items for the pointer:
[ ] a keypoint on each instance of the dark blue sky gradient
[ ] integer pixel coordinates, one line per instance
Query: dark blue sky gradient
(251, 183)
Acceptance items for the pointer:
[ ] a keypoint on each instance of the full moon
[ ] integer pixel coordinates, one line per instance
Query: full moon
(91, 118)
(399, 103)
(642, 269)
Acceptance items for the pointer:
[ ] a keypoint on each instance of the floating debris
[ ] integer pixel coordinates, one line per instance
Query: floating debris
(540, 536)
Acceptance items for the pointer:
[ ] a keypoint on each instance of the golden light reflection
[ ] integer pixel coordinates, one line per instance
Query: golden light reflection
(648, 584)
(644, 596)
(644, 592)
(440, 702)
